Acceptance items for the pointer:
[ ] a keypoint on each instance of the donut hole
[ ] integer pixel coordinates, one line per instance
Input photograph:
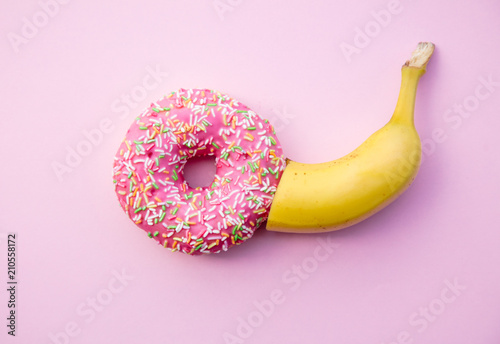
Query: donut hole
(200, 171)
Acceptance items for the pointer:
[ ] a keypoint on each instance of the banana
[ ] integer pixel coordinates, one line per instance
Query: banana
(329, 196)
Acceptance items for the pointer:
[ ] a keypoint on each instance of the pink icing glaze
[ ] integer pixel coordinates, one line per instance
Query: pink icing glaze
(150, 184)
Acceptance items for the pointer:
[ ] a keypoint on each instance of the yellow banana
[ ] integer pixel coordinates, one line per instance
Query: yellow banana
(333, 195)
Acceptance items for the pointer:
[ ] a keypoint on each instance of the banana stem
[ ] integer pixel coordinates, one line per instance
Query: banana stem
(411, 72)
(404, 112)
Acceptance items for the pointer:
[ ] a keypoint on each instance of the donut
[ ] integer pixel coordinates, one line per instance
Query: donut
(149, 181)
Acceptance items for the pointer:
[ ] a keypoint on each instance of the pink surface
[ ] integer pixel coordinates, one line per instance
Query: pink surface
(425, 270)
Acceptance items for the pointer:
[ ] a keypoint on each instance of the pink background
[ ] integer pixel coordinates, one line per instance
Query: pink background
(387, 280)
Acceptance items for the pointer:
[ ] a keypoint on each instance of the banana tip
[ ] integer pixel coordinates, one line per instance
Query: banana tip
(421, 56)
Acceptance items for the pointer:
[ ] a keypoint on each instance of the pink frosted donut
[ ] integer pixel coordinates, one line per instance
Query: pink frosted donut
(150, 184)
